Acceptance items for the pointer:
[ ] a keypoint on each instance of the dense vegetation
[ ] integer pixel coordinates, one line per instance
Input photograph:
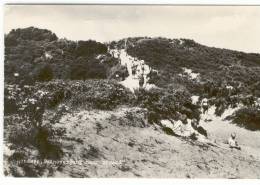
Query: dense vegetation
(46, 76)
(248, 118)
(169, 56)
(169, 103)
(38, 55)
(218, 69)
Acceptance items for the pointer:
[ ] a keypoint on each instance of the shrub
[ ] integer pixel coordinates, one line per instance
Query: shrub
(88, 70)
(25, 53)
(29, 138)
(118, 72)
(90, 47)
(10, 106)
(166, 103)
(45, 73)
(248, 118)
(100, 94)
(32, 33)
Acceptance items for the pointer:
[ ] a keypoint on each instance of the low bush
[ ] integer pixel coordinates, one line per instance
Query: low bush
(166, 103)
(45, 73)
(248, 117)
(100, 94)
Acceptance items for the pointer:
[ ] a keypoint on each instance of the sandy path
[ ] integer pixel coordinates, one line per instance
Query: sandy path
(114, 146)
(220, 130)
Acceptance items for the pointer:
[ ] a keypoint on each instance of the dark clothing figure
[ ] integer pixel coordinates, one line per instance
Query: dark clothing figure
(195, 125)
(141, 81)
(202, 131)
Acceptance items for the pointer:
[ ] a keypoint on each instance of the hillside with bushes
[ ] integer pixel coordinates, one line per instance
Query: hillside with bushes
(96, 101)
(39, 55)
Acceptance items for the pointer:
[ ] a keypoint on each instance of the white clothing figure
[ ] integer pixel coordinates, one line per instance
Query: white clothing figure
(232, 142)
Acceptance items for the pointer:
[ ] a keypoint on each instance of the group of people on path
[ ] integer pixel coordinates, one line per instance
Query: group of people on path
(185, 127)
(190, 128)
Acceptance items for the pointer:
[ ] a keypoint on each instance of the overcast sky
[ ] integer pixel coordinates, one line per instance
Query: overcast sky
(232, 27)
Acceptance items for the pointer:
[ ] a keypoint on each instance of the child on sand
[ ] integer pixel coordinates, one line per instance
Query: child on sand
(232, 142)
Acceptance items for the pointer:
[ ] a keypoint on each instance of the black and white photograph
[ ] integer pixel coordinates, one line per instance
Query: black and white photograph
(131, 91)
